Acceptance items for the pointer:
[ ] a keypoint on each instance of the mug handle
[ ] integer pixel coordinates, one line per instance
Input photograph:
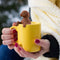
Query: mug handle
(14, 27)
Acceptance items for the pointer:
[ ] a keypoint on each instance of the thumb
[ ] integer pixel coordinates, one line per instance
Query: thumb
(42, 42)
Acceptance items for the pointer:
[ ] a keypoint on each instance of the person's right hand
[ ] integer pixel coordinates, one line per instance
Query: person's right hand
(9, 36)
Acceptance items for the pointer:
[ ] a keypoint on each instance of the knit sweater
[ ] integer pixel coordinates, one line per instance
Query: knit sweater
(48, 14)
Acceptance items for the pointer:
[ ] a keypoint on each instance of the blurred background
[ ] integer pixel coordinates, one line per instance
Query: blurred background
(10, 12)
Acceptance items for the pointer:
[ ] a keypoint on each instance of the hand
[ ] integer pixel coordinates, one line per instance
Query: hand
(9, 36)
(45, 45)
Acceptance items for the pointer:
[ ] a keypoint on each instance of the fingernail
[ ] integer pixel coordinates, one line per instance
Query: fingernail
(19, 48)
(15, 35)
(15, 39)
(14, 31)
(16, 45)
(37, 41)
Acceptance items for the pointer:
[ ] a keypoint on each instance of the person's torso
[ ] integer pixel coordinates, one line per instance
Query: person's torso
(48, 15)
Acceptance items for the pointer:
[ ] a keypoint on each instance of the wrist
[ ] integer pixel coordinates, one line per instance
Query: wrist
(53, 51)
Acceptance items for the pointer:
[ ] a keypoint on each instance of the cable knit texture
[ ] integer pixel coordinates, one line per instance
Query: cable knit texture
(47, 12)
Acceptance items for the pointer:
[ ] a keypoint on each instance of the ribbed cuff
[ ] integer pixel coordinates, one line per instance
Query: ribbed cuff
(54, 47)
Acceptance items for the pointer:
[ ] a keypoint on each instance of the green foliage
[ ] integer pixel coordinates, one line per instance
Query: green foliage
(9, 8)
(25, 1)
(2, 20)
(4, 6)
(15, 5)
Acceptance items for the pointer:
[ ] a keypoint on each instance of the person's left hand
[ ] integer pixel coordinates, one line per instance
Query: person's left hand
(45, 45)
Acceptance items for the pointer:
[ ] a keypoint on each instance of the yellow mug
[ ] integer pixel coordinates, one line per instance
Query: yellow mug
(27, 36)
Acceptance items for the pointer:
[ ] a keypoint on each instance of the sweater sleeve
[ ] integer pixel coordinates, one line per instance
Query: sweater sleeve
(54, 47)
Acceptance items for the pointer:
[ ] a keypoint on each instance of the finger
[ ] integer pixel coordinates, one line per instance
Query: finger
(17, 49)
(7, 37)
(11, 46)
(36, 55)
(15, 38)
(8, 31)
(14, 24)
(28, 54)
(42, 52)
(43, 43)
(7, 42)
(25, 53)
